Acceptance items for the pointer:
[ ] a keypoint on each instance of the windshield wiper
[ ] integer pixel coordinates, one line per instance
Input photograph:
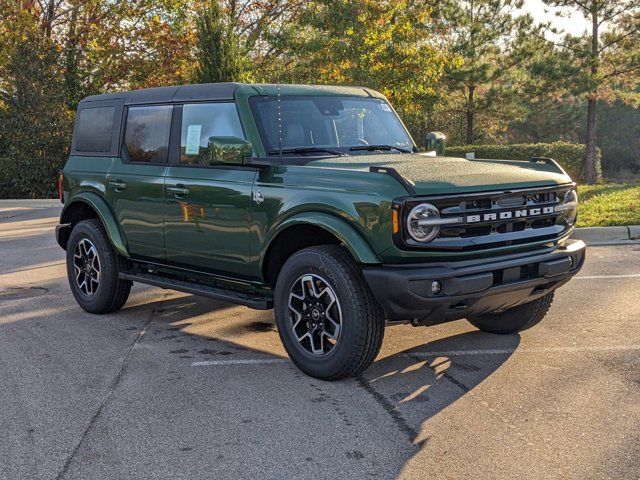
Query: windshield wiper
(372, 148)
(307, 150)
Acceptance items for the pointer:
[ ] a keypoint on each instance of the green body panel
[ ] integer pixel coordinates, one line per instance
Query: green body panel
(360, 200)
(227, 216)
(249, 126)
(208, 228)
(139, 206)
(341, 229)
(111, 225)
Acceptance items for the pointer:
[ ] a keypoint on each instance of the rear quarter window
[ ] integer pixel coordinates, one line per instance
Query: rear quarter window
(94, 129)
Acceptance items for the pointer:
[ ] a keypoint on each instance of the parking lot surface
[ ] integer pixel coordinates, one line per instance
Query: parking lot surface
(176, 386)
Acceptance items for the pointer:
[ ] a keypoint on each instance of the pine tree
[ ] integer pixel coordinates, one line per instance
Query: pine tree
(605, 59)
(491, 38)
(217, 49)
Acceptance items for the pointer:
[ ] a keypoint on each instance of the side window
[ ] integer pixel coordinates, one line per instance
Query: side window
(147, 133)
(200, 122)
(95, 129)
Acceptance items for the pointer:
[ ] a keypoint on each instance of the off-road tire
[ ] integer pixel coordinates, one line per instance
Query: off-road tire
(111, 293)
(362, 319)
(515, 319)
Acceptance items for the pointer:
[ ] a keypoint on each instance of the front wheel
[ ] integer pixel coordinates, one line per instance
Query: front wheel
(327, 318)
(515, 319)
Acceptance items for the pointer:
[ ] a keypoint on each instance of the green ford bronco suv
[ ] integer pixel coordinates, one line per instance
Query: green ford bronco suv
(313, 200)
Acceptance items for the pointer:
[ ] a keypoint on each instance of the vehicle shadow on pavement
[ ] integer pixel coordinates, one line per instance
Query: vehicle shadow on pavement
(405, 388)
(415, 384)
(166, 333)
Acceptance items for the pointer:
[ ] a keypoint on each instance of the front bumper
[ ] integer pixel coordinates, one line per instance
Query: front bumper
(471, 288)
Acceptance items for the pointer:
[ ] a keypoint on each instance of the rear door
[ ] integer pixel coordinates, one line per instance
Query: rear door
(207, 205)
(135, 182)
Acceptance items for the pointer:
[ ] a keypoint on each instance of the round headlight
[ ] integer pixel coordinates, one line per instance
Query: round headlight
(570, 207)
(420, 230)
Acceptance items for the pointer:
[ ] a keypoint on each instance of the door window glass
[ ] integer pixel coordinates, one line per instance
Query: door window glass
(147, 133)
(200, 122)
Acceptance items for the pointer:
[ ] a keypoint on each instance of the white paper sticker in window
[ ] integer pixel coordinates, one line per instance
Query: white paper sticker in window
(193, 140)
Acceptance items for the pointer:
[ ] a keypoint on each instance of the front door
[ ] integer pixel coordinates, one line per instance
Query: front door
(207, 205)
(135, 182)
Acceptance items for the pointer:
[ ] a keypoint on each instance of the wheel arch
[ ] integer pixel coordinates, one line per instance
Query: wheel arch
(90, 205)
(310, 229)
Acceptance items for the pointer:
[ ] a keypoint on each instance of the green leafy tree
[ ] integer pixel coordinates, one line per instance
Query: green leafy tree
(217, 50)
(603, 63)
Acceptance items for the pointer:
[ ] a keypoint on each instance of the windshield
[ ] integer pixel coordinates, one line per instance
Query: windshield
(329, 125)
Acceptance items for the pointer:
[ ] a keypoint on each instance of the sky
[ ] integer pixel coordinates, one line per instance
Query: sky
(574, 24)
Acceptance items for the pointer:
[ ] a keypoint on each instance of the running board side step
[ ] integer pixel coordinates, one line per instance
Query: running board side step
(254, 301)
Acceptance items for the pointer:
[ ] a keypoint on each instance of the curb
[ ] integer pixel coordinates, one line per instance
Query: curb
(608, 235)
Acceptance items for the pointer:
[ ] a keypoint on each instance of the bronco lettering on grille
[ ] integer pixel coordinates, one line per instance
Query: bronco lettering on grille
(510, 214)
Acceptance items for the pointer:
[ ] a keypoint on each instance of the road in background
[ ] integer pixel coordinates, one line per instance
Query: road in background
(176, 386)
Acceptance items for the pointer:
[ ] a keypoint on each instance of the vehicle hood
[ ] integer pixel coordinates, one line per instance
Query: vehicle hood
(443, 175)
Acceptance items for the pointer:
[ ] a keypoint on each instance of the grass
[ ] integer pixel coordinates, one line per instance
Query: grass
(609, 205)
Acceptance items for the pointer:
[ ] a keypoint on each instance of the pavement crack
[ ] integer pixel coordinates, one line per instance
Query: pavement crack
(455, 381)
(388, 407)
(110, 389)
(446, 375)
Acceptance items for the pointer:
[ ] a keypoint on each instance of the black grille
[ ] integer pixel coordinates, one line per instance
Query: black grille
(491, 231)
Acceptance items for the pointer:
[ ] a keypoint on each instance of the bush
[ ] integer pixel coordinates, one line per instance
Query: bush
(29, 179)
(6, 190)
(569, 155)
(35, 120)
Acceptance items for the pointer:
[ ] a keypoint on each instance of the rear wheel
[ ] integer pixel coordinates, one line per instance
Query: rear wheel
(93, 267)
(515, 319)
(328, 320)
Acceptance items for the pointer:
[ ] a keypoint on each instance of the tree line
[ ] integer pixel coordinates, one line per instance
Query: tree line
(479, 70)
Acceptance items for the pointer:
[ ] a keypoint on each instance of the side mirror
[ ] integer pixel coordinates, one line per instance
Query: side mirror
(435, 141)
(229, 150)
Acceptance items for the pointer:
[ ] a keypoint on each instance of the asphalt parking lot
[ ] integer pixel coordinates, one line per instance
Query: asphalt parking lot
(176, 386)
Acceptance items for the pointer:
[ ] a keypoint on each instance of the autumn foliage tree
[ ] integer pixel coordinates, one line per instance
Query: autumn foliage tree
(55, 52)
(477, 69)
(389, 46)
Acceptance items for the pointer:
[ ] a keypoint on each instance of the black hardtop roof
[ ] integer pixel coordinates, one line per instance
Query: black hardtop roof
(178, 93)
(220, 91)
